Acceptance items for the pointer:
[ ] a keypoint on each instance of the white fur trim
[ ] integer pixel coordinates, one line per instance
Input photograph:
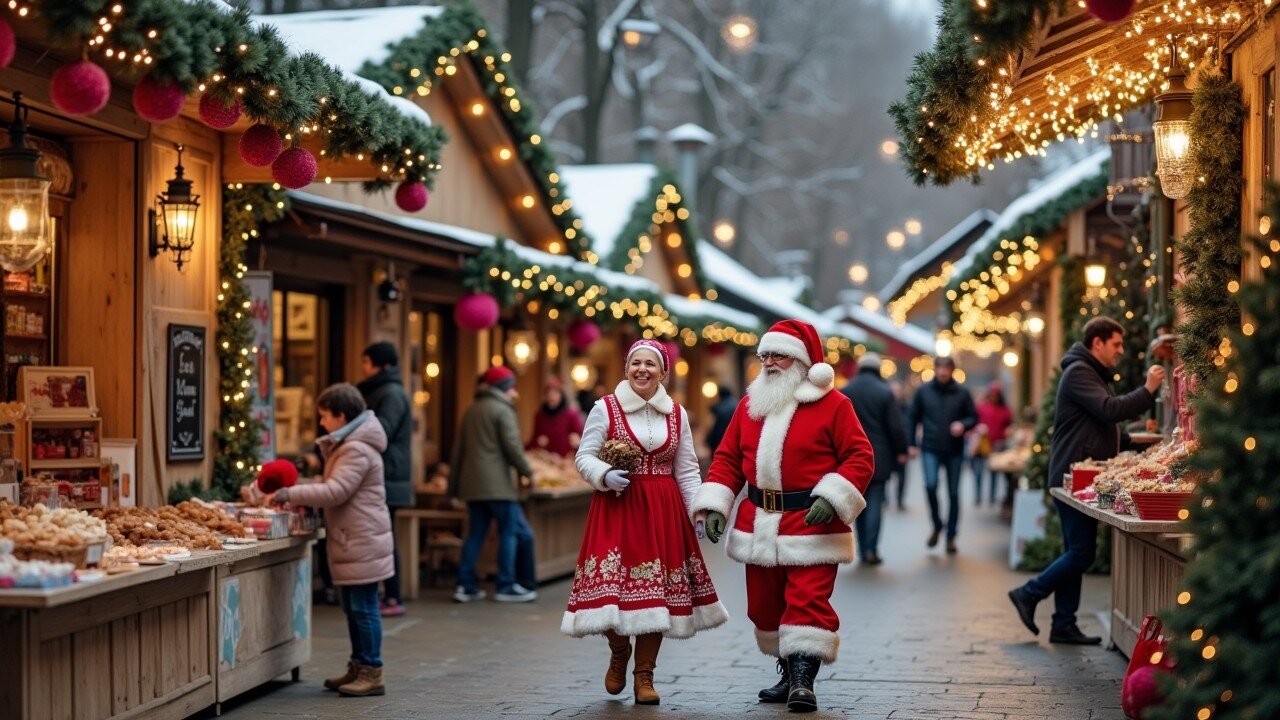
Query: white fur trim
(767, 641)
(773, 433)
(641, 622)
(822, 374)
(807, 640)
(712, 496)
(784, 344)
(808, 392)
(843, 496)
(766, 548)
(633, 403)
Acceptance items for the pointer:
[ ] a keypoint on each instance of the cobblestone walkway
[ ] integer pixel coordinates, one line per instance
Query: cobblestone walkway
(924, 637)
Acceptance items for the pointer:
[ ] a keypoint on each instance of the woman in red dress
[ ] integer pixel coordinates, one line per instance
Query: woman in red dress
(640, 572)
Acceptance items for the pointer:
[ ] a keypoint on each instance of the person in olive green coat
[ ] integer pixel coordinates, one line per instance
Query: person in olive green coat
(487, 449)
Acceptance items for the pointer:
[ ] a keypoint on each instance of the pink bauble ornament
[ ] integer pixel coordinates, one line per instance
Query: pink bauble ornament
(260, 145)
(158, 101)
(215, 114)
(8, 43)
(295, 168)
(411, 196)
(673, 352)
(477, 311)
(582, 333)
(1110, 11)
(1142, 690)
(80, 88)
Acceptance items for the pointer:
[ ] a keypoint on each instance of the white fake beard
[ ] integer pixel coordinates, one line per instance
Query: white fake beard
(770, 392)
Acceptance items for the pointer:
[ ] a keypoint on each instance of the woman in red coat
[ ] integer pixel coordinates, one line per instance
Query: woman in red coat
(557, 427)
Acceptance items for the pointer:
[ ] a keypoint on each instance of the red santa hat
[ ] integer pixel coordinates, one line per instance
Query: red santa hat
(800, 340)
(273, 476)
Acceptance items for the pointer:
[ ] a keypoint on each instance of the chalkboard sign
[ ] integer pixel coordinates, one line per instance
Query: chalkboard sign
(186, 392)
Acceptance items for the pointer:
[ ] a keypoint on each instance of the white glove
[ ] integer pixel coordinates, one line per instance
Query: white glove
(616, 480)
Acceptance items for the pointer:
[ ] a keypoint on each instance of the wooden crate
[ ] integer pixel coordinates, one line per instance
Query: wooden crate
(1146, 577)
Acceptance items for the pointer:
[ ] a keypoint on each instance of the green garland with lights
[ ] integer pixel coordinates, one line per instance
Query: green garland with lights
(245, 208)
(200, 45)
(414, 63)
(642, 227)
(1211, 251)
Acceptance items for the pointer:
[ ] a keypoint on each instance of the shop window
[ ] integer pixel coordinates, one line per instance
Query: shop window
(300, 330)
(1268, 124)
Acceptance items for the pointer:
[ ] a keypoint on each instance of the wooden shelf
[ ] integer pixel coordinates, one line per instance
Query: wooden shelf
(66, 464)
(21, 336)
(25, 294)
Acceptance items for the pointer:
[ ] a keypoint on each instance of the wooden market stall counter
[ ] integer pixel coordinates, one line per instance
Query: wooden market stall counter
(1148, 562)
(558, 517)
(163, 641)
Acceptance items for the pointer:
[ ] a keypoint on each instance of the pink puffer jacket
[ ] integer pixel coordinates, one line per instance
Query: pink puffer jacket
(355, 501)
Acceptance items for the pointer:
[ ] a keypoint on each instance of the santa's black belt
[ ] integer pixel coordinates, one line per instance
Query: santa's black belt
(778, 501)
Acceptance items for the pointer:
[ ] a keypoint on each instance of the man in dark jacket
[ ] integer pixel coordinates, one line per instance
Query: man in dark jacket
(1085, 417)
(722, 411)
(383, 392)
(877, 410)
(943, 410)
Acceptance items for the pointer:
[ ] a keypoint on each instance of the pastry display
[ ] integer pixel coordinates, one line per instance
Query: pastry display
(1160, 468)
(552, 471)
(211, 518)
(50, 530)
(143, 526)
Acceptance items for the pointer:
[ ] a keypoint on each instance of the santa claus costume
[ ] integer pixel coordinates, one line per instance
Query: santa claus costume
(640, 572)
(800, 451)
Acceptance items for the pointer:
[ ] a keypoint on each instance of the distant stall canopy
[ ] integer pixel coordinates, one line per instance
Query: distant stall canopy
(1007, 78)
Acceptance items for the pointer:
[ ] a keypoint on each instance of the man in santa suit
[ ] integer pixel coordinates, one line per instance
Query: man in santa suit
(800, 451)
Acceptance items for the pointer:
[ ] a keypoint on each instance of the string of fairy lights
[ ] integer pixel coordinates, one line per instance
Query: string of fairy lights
(666, 211)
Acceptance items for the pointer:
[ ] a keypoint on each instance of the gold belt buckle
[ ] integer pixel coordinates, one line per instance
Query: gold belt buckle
(772, 501)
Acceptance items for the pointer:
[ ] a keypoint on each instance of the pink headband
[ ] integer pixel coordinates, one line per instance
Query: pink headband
(653, 345)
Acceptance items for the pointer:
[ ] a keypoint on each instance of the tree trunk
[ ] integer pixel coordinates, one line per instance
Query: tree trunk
(595, 80)
(520, 37)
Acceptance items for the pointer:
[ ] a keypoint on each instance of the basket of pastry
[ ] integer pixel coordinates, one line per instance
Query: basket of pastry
(65, 535)
(143, 526)
(552, 471)
(211, 518)
(622, 454)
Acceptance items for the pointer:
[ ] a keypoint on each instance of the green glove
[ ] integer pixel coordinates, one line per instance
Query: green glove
(820, 513)
(716, 523)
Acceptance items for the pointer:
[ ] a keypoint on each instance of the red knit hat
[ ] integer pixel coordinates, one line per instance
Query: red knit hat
(499, 377)
(277, 474)
(800, 340)
(654, 346)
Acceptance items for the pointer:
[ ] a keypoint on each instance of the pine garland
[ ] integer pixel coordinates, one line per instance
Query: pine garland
(1003, 27)
(245, 208)
(197, 41)
(643, 223)
(422, 59)
(1211, 250)
(1225, 627)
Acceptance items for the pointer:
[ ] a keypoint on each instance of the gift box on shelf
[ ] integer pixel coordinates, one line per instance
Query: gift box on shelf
(1162, 505)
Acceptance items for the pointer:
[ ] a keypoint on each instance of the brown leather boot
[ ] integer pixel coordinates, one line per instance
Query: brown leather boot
(348, 676)
(646, 659)
(368, 682)
(615, 679)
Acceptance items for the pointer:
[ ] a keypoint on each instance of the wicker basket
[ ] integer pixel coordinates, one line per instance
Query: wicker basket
(81, 556)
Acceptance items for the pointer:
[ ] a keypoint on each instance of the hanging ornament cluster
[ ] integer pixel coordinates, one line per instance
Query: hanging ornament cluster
(582, 334)
(260, 145)
(80, 88)
(1141, 690)
(1110, 11)
(477, 311)
(411, 196)
(216, 114)
(158, 101)
(8, 43)
(295, 168)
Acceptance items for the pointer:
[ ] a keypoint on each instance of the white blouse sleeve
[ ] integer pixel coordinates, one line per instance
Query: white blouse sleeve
(687, 471)
(590, 466)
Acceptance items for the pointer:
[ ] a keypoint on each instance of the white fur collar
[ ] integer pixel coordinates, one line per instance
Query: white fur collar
(633, 403)
(808, 392)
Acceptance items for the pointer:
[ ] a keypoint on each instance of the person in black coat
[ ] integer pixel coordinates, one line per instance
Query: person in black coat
(1085, 417)
(384, 393)
(722, 412)
(877, 410)
(944, 411)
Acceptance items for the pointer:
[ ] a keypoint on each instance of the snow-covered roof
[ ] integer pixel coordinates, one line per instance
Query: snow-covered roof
(978, 220)
(1047, 191)
(350, 38)
(604, 196)
(346, 38)
(791, 288)
(691, 133)
(613, 279)
(729, 275)
(914, 336)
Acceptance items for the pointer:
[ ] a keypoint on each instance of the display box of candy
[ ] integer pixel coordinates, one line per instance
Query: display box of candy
(266, 524)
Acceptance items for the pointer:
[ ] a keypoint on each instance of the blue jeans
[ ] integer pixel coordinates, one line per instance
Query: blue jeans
(933, 462)
(978, 463)
(868, 523)
(364, 622)
(515, 545)
(1064, 577)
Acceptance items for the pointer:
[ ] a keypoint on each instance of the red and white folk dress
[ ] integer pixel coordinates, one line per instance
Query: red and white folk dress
(640, 570)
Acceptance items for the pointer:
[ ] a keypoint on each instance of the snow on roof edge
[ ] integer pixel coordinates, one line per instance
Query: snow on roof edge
(935, 249)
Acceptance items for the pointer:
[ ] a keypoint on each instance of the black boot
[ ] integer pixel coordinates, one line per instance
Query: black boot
(804, 668)
(778, 693)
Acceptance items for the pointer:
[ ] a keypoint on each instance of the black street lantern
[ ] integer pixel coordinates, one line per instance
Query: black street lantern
(24, 198)
(173, 221)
